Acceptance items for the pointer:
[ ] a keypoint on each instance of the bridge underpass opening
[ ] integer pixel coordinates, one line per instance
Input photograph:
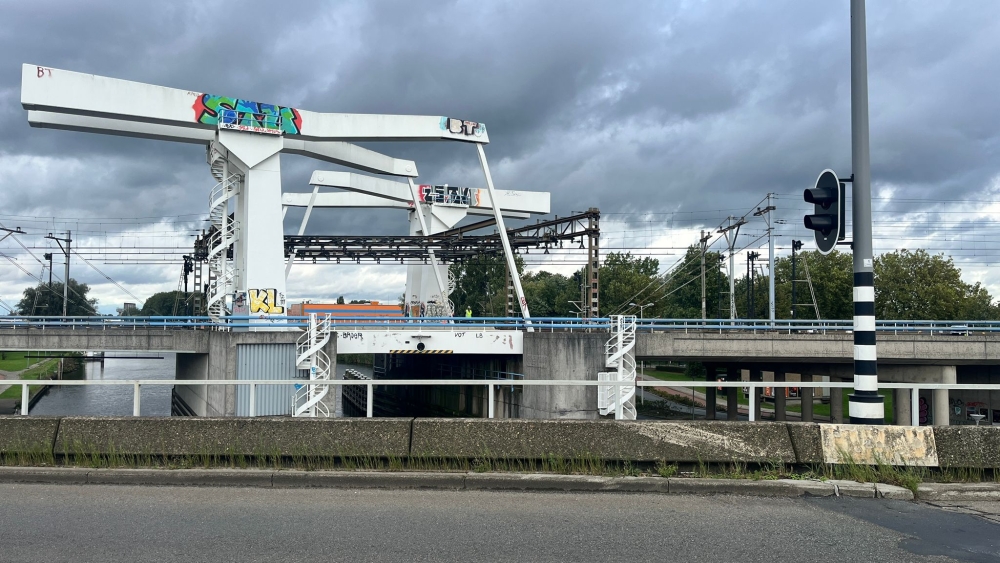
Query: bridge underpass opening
(438, 401)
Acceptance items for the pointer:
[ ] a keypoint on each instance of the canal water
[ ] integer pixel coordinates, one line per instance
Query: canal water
(113, 400)
(116, 400)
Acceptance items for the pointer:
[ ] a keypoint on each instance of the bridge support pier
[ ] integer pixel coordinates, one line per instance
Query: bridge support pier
(711, 375)
(836, 404)
(779, 397)
(807, 398)
(732, 404)
(940, 397)
(901, 406)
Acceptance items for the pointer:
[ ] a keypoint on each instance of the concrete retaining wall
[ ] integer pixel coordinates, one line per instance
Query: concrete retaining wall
(685, 442)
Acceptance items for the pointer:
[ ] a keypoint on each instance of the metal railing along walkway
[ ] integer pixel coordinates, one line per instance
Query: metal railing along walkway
(492, 384)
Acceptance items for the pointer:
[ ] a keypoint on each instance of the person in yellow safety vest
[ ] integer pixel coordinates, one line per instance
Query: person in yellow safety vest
(468, 312)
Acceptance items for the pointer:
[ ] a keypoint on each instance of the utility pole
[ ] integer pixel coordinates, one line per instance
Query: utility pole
(751, 294)
(796, 245)
(66, 250)
(704, 246)
(731, 231)
(865, 405)
(766, 214)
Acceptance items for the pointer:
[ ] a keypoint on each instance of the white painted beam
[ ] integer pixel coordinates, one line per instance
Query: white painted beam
(103, 125)
(63, 91)
(477, 199)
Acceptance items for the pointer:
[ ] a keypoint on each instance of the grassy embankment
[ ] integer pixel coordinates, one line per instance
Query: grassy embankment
(40, 368)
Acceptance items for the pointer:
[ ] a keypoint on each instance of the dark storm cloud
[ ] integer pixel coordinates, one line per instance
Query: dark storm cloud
(627, 106)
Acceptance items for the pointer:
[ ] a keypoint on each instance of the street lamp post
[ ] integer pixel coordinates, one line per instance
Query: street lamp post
(641, 307)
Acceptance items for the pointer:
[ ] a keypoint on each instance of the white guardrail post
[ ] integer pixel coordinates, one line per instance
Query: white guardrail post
(752, 395)
(253, 400)
(369, 406)
(25, 403)
(135, 400)
(490, 398)
(915, 406)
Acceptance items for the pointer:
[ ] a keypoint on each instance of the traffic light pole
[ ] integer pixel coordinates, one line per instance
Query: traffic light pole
(866, 405)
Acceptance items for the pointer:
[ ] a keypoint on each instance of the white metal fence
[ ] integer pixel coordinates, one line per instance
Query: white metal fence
(492, 384)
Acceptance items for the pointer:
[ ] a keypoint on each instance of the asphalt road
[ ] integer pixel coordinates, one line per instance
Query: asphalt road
(54, 523)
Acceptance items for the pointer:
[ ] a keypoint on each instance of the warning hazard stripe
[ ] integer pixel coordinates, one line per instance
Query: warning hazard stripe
(421, 351)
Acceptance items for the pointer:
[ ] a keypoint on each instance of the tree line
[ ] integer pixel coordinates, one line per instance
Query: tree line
(909, 285)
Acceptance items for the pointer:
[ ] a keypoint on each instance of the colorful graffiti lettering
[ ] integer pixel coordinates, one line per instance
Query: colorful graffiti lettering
(267, 301)
(247, 115)
(460, 127)
(450, 194)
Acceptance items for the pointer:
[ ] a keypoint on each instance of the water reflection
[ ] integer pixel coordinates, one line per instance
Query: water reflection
(113, 400)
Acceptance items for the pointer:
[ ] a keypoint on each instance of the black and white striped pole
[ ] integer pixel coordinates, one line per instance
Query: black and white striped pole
(866, 405)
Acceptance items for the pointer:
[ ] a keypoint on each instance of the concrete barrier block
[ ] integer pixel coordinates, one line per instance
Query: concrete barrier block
(871, 445)
(27, 434)
(706, 441)
(806, 442)
(968, 446)
(384, 437)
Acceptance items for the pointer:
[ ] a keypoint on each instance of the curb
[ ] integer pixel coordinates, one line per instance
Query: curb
(479, 482)
(959, 491)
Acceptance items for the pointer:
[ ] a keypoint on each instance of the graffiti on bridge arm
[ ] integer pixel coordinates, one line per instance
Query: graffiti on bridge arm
(266, 301)
(208, 109)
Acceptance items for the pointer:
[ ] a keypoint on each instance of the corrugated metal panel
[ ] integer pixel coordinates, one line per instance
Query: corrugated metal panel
(266, 361)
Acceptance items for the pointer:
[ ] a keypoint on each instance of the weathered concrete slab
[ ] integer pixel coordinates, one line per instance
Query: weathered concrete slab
(968, 446)
(27, 434)
(706, 441)
(383, 437)
(871, 445)
(806, 441)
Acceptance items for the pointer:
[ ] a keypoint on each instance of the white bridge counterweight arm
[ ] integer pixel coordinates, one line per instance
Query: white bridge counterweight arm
(430, 251)
(508, 254)
(302, 228)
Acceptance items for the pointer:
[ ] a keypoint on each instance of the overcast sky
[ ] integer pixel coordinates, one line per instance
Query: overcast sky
(668, 116)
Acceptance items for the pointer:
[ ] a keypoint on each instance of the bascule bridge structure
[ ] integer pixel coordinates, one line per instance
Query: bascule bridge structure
(244, 141)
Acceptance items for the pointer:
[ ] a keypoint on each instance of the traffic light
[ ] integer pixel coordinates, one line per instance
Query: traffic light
(828, 215)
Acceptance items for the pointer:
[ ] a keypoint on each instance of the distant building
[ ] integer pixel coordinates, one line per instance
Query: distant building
(373, 309)
(128, 310)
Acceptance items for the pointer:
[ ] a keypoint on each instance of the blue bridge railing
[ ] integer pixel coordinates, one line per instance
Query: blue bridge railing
(797, 326)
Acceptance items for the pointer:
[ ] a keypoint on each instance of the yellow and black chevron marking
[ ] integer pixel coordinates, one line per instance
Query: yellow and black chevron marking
(421, 352)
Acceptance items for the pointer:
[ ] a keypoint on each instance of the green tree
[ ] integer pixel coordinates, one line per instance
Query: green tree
(912, 285)
(627, 279)
(549, 294)
(340, 300)
(479, 284)
(162, 303)
(832, 280)
(681, 291)
(43, 300)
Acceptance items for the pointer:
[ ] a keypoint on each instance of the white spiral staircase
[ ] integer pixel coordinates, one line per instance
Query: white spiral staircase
(620, 355)
(221, 271)
(309, 354)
